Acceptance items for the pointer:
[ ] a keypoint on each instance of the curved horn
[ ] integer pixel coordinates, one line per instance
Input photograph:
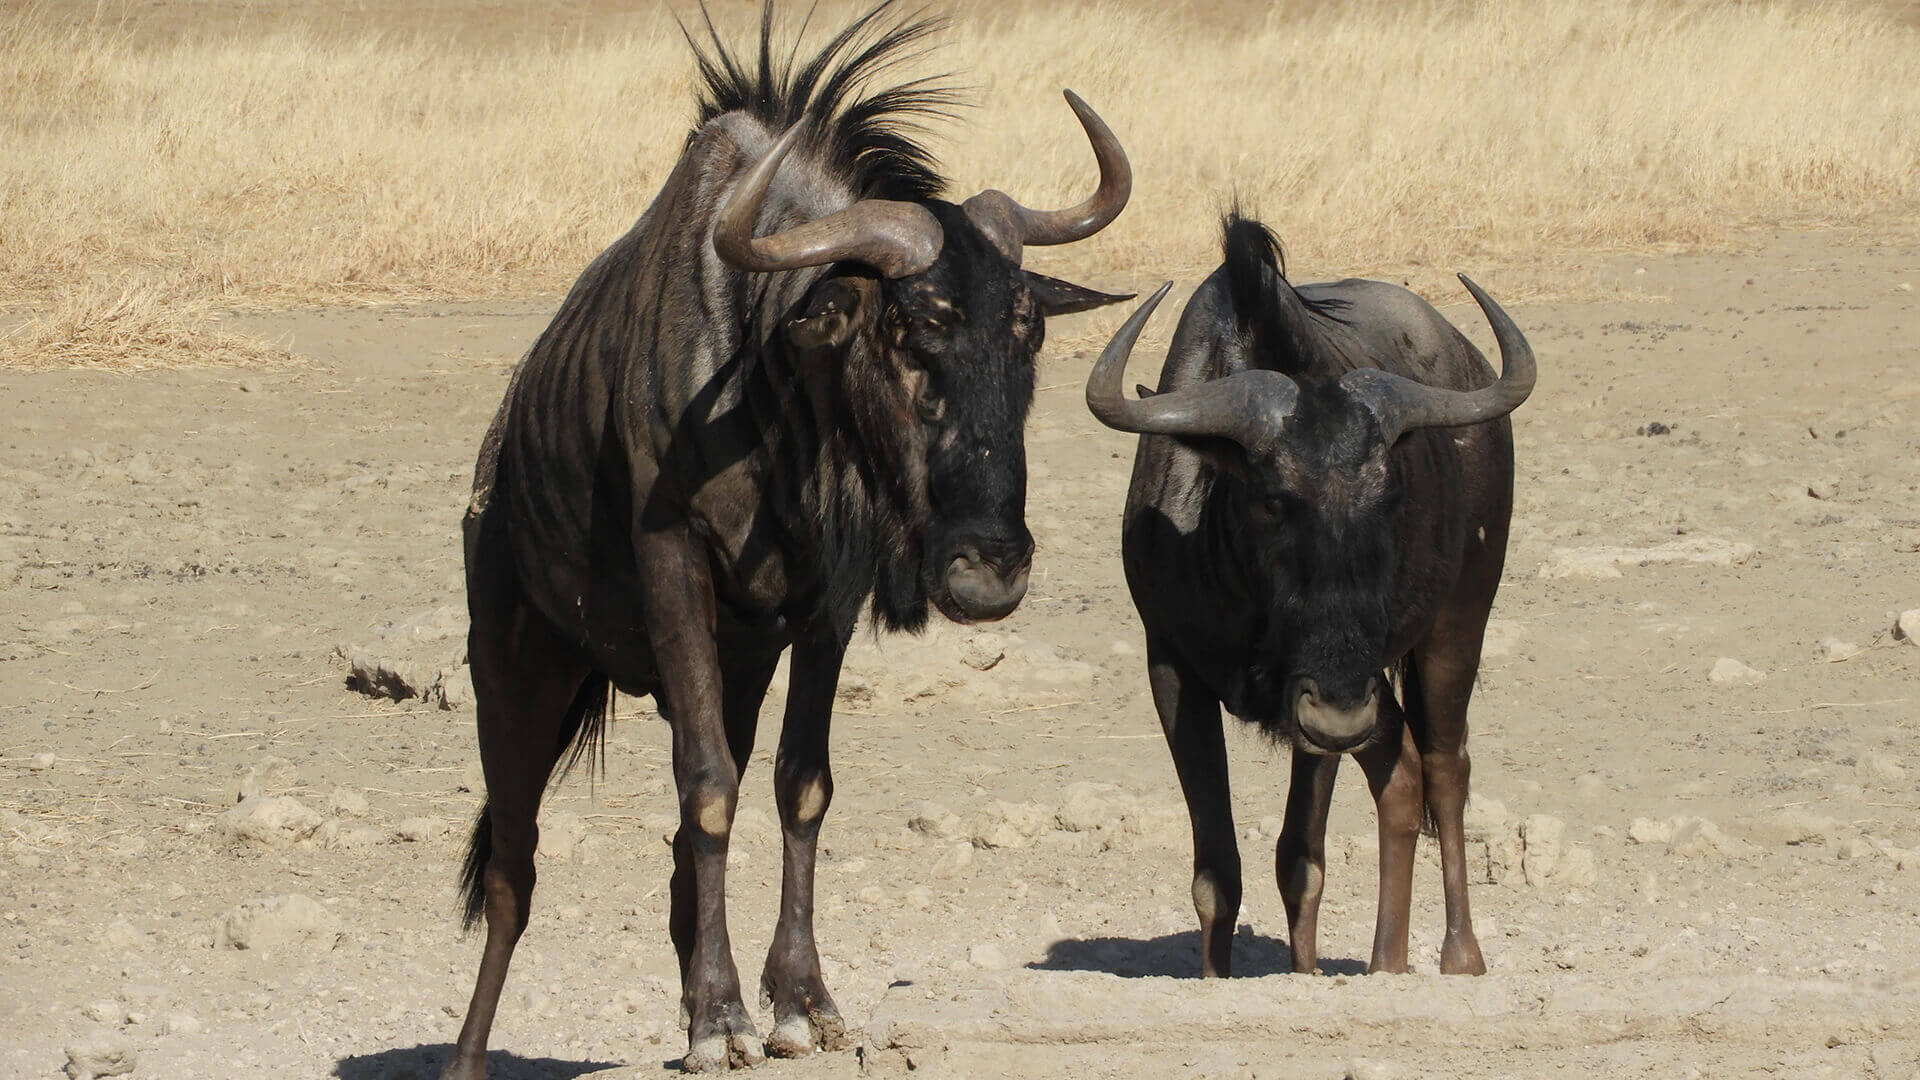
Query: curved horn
(895, 238)
(1247, 407)
(1402, 404)
(1012, 226)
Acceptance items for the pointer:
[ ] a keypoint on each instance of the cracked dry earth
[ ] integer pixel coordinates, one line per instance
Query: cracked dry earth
(1696, 807)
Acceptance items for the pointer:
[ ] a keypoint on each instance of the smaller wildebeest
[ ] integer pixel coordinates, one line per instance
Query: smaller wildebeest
(799, 381)
(1320, 498)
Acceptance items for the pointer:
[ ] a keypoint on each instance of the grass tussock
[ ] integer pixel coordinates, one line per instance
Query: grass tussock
(290, 167)
(132, 331)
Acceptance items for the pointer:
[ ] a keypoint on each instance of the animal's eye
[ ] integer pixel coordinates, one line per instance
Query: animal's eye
(931, 406)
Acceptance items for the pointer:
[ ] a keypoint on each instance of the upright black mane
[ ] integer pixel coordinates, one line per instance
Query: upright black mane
(869, 134)
(1266, 308)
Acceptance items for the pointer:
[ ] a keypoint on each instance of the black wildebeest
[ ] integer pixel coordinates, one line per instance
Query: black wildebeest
(798, 381)
(1320, 496)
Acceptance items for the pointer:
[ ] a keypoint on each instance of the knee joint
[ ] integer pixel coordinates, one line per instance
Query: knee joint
(709, 809)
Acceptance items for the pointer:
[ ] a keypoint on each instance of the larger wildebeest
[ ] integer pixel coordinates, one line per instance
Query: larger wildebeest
(799, 380)
(1320, 496)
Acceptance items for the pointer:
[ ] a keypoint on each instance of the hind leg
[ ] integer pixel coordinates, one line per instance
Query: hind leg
(525, 679)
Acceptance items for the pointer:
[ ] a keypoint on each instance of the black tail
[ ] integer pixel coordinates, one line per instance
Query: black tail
(583, 734)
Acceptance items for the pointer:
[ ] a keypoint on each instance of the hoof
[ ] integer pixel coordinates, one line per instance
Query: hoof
(715, 1053)
(1465, 960)
(800, 1035)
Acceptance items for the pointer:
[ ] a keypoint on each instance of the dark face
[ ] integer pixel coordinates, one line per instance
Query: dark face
(1320, 501)
(941, 383)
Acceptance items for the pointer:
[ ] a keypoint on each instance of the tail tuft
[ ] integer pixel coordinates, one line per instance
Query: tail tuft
(473, 873)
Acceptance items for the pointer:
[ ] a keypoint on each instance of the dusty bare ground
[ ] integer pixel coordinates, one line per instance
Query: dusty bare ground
(1723, 468)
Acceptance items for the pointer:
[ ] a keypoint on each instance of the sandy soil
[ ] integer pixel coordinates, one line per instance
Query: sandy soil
(1682, 876)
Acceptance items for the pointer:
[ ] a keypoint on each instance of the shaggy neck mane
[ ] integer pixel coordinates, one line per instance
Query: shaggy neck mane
(1281, 327)
(870, 137)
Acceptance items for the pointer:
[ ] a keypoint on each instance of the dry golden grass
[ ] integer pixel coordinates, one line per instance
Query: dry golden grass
(292, 167)
(130, 331)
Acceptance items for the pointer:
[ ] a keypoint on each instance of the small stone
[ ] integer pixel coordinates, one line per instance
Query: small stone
(1834, 650)
(40, 762)
(1649, 831)
(455, 689)
(920, 898)
(278, 920)
(982, 652)
(276, 820)
(1576, 869)
(1697, 837)
(418, 830)
(1086, 809)
(932, 819)
(123, 935)
(1907, 627)
(182, 1023)
(1363, 1069)
(871, 894)
(957, 858)
(346, 802)
(270, 773)
(1565, 956)
(1728, 670)
(104, 1012)
(104, 1053)
(1542, 841)
(987, 958)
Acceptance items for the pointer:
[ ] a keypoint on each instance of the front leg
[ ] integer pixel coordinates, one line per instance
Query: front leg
(1190, 717)
(804, 1015)
(1393, 773)
(1300, 856)
(680, 624)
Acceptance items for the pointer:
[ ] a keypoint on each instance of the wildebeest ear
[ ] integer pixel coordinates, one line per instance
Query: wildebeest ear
(834, 311)
(1058, 297)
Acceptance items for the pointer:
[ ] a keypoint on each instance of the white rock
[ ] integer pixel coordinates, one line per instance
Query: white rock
(455, 689)
(279, 819)
(123, 935)
(957, 858)
(421, 829)
(1856, 847)
(41, 762)
(103, 1053)
(1366, 1069)
(104, 1012)
(932, 819)
(1643, 830)
(1695, 837)
(1011, 825)
(987, 957)
(182, 1023)
(1483, 817)
(1577, 869)
(347, 802)
(982, 652)
(1542, 841)
(277, 920)
(1907, 627)
(270, 773)
(1087, 809)
(871, 894)
(1728, 670)
(920, 898)
(1834, 650)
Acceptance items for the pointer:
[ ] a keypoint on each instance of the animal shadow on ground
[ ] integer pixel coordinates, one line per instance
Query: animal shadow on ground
(425, 1062)
(1178, 956)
